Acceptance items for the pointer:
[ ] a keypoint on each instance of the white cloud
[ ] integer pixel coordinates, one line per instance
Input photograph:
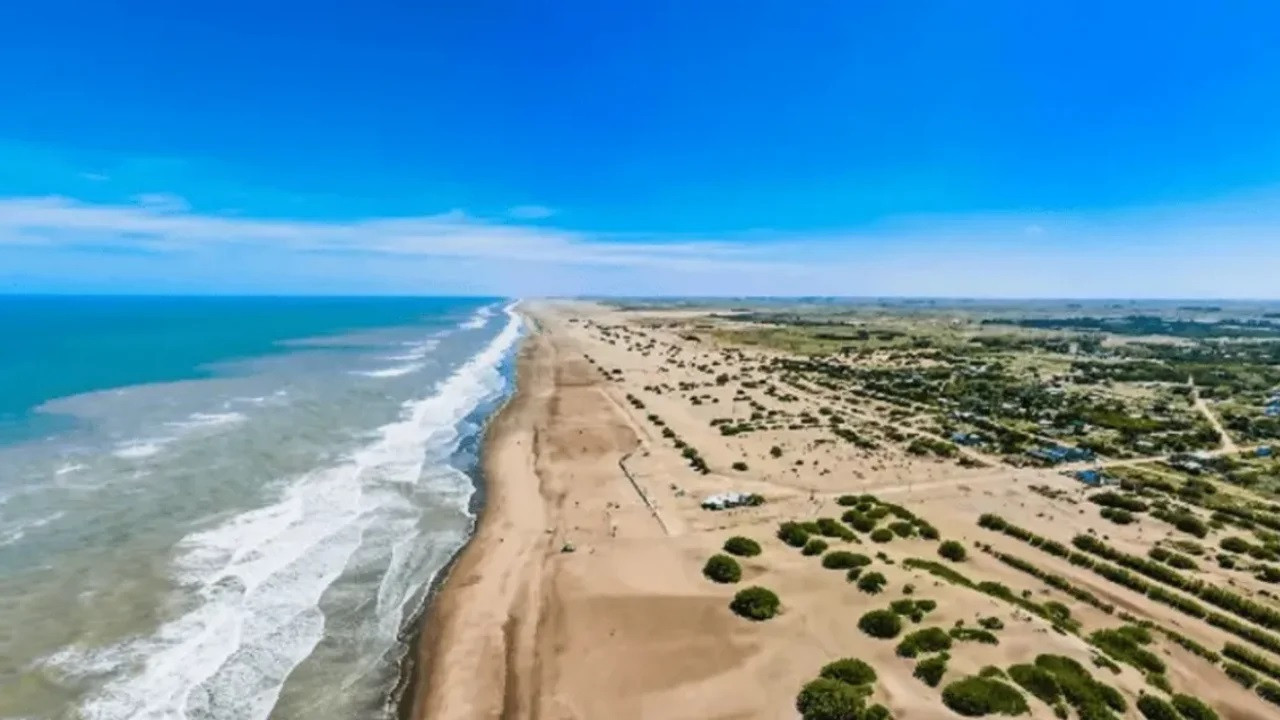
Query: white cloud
(1223, 250)
(530, 212)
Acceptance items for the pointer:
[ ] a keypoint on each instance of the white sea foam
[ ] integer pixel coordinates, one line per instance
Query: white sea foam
(257, 579)
(69, 468)
(139, 449)
(477, 320)
(390, 372)
(208, 420)
(12, 535)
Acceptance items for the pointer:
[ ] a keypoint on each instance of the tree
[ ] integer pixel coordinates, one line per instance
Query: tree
(952, 550)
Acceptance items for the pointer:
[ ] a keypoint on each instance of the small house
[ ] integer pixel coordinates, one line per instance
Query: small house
(1092, 478)
(1263, 452)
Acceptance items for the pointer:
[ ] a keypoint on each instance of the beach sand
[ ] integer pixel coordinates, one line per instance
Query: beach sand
(581, 594)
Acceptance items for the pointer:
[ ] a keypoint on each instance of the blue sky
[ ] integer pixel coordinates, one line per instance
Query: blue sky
(939, 148)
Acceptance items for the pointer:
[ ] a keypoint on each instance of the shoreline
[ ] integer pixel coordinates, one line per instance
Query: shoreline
(428, 646)
(408, 687)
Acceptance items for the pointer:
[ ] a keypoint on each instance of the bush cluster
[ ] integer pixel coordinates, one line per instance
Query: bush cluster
(872, 583)
(925, 640)
(840, 693)
(832, 528)
(843, 560)
(975, 696)
(1153, 708)
(1090, 698)
(742, 546)
(952, 550)
(792, 534)
(815, 546)
(826, 699)
(722, 569)
(849, 670)
(1111, 498)
(964, 634)
(883, 624)
(1037, 681)
(1192, 708)
(881, 535)
(1126, 644)
(930, 670)
(755, 603)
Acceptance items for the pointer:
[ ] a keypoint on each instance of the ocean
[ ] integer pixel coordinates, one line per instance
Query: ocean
(232, 508)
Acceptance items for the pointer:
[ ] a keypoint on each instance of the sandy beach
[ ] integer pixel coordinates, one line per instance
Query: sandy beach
(581, 594)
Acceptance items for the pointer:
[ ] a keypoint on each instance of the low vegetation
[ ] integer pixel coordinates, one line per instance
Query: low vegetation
(722, 569)
(755, 603)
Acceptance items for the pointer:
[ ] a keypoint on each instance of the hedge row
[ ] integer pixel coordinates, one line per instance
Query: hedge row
(1222, 598)
(1054, 581)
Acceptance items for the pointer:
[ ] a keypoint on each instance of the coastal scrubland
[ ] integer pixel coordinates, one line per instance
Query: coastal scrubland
(876, 511)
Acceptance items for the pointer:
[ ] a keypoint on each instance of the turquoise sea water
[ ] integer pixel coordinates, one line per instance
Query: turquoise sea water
(230, 507)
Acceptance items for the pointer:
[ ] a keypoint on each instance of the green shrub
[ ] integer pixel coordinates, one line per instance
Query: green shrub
(902, 529)
(872, 583)
(992, 623)
(755, 603)
(816, 546)
(1159, 681)
(1193, 708)
(975, 696)
(847, 500)
(853, 574)
(1269, 691)
(952, 550)
(842, 560)
(991, 671)
(826, 699)
(881, 535)
(1090, 697)
(930, 670)
(859, 522)
(877, 712)
(742, 546)
(1153, 708)
(1241, 674)
(830, 527)
(740, 466)
(722, 569)
(925, 640)
(883, 624)
(849, 670)
(1037, 681)
(926, 605)
(928, 532)
(964, 634)
(792, 534)
(1117, 516)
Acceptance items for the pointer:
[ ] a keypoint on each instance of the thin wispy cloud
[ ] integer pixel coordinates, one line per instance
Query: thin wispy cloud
(1225, 249)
